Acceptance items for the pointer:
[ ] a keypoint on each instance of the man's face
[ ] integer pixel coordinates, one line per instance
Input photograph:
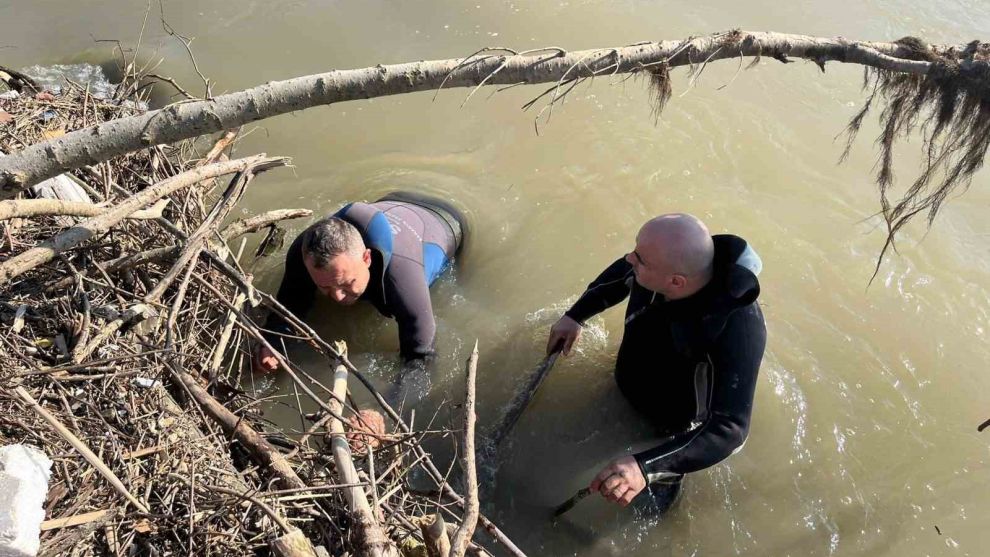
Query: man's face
(648, 266)
(344, 278)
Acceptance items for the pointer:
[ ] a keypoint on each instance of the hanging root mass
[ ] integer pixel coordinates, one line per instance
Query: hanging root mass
(948, 102)
(950, 105)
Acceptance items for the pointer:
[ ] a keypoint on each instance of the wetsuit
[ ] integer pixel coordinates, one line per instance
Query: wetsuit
(688, 365)
(412, 239)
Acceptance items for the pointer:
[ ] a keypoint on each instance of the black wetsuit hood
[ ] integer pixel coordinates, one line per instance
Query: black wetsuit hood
(699, 319)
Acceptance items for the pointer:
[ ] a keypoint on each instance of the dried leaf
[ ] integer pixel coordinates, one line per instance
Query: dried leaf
(44, 96)
(5, 117)
(144, 526)
(52, 134)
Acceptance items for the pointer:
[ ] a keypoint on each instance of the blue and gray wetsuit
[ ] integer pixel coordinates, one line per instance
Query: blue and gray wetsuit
(689, 366)
(412, 238)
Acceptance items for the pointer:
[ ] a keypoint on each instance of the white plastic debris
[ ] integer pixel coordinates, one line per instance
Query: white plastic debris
(9, 95)
(145, 383)
(56, 77)
(24, 474)
(19, 318)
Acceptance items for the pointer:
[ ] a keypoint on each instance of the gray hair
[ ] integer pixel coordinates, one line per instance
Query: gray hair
(329, 238)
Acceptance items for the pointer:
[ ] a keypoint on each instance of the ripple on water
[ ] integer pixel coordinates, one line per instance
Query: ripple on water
(787, 390)
(725, 481)
(594, 335)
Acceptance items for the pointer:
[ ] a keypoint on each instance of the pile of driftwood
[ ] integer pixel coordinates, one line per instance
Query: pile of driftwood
(127, 328)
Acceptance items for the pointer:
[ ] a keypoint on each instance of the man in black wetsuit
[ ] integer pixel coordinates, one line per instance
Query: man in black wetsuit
(691, 349)
(388, 253)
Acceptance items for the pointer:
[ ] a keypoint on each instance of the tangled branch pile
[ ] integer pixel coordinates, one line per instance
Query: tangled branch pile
(127, 327)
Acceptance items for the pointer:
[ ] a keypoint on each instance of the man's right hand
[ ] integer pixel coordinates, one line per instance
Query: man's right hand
(564, 333)
(264, 360)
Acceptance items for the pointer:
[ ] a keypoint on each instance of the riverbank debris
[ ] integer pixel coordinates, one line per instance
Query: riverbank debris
(127, 329)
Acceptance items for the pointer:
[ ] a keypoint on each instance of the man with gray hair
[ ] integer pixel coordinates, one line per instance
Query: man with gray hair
(691, 349)
(387, 253)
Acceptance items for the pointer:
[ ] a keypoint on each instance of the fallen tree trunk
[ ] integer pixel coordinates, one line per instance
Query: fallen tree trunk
(185, 120)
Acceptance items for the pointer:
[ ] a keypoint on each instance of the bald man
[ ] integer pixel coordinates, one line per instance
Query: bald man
(691, 349)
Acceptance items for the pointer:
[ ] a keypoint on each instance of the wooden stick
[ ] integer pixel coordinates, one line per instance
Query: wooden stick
(228, 328)
(569, 504)
(459, 545)
(261, 450)
(522, 399)
(183, 120)
(141, 452)
(84, 450)
(76, 519)
(435, 536)
(22, 208)
(243, 226)
(371, 539)
(196, 240)
(293, 544)
(217, 150)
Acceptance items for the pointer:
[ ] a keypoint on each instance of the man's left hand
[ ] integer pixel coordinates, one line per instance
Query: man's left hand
(620, 481)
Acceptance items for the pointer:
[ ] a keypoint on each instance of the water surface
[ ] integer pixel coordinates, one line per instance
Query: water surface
(864, 431)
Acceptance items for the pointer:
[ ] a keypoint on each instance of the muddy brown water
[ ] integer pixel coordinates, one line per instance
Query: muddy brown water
(864, 432)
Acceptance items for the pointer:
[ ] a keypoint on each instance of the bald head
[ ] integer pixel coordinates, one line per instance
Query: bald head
(674, 255)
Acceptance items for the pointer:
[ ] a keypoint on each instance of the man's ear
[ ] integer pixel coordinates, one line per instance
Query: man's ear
(678, 281)
(366, 257)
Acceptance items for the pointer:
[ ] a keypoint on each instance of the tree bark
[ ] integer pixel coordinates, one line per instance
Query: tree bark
(184, 120)
(293, 544)
(20, 208)
(435, 535)
(252, 224)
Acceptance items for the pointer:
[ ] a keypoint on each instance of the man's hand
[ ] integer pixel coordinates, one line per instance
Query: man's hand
(264, 360)
(620, 481)
(564, 333)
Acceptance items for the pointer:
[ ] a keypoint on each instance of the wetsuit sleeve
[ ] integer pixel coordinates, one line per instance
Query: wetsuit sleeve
(295, 292)
(610, 288)
(409, 300)
(735, 361)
